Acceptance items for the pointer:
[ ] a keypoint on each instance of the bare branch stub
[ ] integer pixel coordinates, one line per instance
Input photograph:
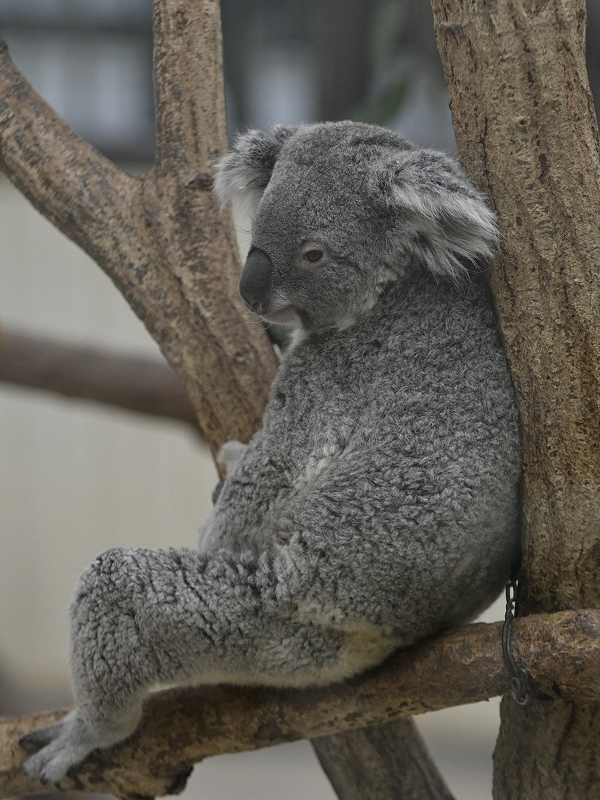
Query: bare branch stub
(189, 89)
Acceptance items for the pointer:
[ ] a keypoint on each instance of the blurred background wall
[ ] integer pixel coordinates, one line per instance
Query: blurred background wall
(75, 477)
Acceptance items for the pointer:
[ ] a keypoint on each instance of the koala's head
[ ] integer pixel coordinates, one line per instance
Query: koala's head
(341, 210)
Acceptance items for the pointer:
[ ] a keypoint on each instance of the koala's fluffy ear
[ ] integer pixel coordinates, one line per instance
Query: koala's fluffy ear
(443, 221)
(243, 173)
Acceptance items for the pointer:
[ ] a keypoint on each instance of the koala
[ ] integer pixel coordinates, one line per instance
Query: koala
(378, 504)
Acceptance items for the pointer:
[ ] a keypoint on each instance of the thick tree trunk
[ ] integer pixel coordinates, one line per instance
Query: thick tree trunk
(526, 129)
(548, 750)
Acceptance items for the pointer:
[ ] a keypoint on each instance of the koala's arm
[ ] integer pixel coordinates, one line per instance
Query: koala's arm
(230, 454)
(143, 617)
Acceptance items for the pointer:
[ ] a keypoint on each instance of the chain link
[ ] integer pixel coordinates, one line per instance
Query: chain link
(521, 687)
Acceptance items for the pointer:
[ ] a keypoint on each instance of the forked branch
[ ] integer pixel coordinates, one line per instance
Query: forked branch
(161, 237)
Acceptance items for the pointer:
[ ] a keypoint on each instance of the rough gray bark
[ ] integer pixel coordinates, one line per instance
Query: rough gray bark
(526, 129)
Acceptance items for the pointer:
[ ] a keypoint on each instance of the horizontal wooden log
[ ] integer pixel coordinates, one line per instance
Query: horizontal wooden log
(135, 383)
(180, 727)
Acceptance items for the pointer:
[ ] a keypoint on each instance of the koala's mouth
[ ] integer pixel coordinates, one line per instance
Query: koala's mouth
(286, 315)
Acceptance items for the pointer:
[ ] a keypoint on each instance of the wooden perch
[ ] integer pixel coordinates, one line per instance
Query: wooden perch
(135, 383)
(182, 726)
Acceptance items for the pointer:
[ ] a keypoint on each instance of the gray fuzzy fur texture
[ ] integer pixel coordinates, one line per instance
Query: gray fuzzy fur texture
(378, 504)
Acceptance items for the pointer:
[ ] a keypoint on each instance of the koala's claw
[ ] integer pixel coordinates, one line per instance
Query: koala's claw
(63, 746)
(40, 737)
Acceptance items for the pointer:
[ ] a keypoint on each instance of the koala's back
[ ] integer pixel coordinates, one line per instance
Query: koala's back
(388, 464)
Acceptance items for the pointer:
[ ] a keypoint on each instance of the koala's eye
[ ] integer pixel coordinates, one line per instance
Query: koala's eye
(313, 255)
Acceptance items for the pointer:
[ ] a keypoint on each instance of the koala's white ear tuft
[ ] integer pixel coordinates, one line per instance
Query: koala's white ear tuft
(443, 221)
(243, 173)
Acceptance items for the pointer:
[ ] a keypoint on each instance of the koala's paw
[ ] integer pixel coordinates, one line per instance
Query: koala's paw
(64, 743)
(229, 455)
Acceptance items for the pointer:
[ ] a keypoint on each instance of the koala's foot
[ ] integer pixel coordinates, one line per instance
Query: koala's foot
(64, 743)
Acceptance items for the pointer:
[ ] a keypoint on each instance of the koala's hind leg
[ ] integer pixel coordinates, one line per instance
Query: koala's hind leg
(142, 617)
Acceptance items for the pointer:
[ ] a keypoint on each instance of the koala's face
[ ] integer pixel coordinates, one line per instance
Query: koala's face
(342, 209)
(317, 247)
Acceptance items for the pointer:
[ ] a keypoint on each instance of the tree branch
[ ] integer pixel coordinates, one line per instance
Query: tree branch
(182, 726)
(145, 385)
(188, 85)
(526, 128)
(382, 761)
(65, 178)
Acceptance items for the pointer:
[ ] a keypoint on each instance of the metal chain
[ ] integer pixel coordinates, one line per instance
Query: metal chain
(521, 686)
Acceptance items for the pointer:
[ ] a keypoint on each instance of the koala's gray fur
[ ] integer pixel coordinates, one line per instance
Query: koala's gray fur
(379, 502)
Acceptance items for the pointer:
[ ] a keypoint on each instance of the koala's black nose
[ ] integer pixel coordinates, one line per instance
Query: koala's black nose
(255, 283)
